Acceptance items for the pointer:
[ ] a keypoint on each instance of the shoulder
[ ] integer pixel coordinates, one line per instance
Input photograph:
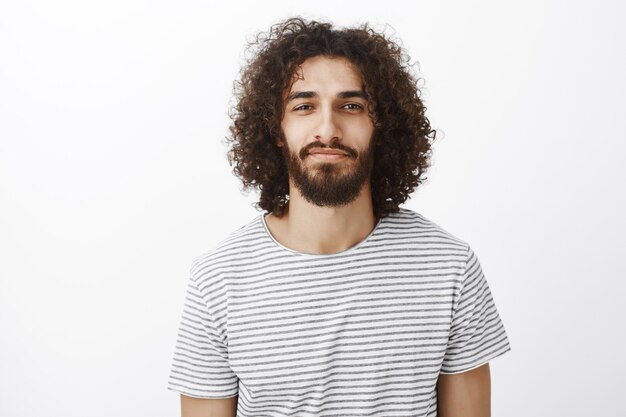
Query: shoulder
(429, 240)
(235, 246)
(407, 223)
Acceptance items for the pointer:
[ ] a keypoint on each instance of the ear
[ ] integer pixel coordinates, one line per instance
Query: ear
(278, 142)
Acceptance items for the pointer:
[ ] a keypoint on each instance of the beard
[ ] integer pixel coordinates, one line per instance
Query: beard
(329, 184)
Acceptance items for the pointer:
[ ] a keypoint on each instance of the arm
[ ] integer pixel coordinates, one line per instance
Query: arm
(204, 407)
(466, 394)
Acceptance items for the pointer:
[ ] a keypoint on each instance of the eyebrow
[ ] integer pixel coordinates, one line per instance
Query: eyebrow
(312, 94)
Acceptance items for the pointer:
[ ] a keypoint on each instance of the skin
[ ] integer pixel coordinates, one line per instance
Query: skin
(202, 407)
(466, 394)
(327, 120)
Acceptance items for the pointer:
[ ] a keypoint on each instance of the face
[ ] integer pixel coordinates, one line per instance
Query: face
(327, 138)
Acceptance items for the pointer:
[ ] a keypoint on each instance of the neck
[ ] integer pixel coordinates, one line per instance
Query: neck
(308, 228)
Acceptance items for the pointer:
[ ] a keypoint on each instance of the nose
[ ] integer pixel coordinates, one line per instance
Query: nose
(328, 130)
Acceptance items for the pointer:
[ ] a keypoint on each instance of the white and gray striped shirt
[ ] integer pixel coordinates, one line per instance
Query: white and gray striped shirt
(363, 332)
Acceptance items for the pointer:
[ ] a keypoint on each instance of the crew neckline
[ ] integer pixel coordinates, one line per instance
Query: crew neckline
(320, 255)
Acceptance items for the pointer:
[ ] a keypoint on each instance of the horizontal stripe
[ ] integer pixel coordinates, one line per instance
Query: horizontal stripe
(362, 332)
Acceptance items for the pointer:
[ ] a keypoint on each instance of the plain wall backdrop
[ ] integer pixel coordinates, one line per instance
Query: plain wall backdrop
(113, 176)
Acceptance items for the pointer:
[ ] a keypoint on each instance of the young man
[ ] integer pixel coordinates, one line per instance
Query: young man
(336, 301)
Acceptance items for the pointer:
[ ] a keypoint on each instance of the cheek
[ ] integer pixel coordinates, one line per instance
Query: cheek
(361, 130)
(295, 133)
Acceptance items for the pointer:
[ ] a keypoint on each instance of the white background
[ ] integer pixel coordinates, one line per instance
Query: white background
(113, 176)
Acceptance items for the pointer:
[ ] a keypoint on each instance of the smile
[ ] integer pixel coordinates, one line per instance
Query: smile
(328, 156)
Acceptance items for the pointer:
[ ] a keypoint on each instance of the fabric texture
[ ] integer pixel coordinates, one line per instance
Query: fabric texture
(366, 331)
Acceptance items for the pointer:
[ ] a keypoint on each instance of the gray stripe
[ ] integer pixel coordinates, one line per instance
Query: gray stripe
(359, 332)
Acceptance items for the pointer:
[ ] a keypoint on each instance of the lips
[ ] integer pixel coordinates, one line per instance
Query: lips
(321, 152)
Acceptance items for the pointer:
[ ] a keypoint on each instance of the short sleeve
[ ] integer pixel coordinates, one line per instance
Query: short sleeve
(477, 334)
(200, 365)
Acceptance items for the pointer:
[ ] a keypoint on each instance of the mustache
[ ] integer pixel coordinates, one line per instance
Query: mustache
(314, 145)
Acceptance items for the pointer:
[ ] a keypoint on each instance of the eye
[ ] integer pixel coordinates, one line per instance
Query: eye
(303, 107)
(355, 106)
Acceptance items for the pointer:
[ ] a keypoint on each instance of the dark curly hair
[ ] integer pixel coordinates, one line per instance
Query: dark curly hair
(402, 133)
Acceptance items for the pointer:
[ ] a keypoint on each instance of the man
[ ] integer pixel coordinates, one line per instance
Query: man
(336, 301)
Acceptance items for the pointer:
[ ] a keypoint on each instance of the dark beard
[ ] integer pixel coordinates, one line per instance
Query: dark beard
(326, 185)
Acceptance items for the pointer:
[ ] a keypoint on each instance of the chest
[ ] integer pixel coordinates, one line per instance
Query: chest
(311, 332)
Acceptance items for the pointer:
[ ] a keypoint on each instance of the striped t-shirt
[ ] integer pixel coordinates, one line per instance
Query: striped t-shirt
(363, 332)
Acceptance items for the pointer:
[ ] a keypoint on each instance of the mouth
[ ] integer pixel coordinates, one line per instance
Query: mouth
(327, 156)
(327, 152)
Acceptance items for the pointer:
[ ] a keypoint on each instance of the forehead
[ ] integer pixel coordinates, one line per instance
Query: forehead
(323, 73)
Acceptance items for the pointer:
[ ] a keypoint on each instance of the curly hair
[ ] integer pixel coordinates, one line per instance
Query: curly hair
(402, 134)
